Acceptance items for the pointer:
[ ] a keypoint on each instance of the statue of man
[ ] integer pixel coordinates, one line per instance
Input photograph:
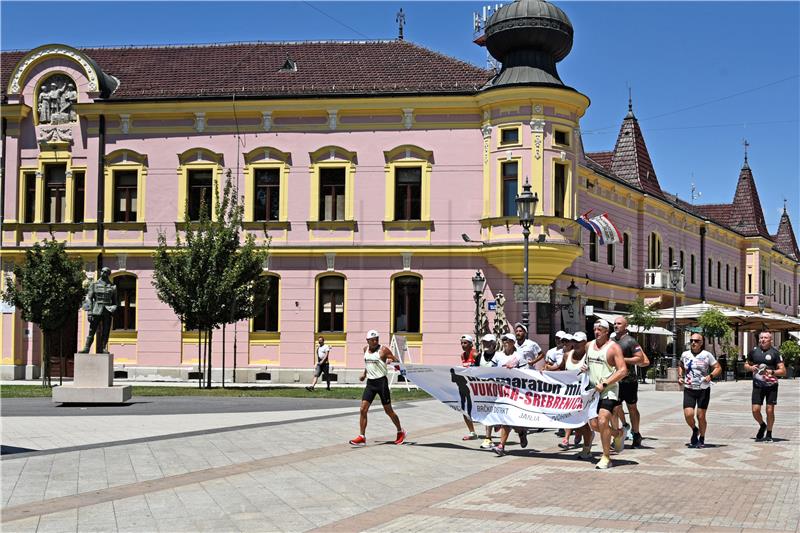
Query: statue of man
(101, 302)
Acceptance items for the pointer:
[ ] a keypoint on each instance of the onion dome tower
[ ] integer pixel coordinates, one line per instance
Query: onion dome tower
(528, 37)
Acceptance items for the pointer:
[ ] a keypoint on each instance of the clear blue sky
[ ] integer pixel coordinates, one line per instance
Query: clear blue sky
(704, 75)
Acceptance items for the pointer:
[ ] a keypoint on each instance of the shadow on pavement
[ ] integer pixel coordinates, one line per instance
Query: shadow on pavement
(8, 450)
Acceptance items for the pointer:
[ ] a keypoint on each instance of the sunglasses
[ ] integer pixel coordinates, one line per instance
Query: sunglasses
(696, 340)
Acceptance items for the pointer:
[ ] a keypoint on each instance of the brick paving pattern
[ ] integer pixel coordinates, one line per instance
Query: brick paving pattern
(301, 476)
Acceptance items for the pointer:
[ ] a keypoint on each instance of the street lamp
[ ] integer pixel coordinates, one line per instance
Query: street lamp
(675, 272)
(572, 293)
(478, 286)
(526, 207)
(762, 303)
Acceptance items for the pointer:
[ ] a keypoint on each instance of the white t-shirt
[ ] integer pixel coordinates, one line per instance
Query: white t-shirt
(322, 352)
(482, 361)
(696, 368)
(527, 351)
(501, 359)
(554, 356)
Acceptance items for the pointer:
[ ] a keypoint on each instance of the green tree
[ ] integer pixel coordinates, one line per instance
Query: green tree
(641, 316)
(211, 276)
(48, 288)
(715, 326)
(790, 350)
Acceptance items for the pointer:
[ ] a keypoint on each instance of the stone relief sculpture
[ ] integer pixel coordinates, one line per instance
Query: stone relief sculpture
(57, 94)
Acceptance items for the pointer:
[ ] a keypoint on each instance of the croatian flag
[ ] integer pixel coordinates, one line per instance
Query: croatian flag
(606, 231)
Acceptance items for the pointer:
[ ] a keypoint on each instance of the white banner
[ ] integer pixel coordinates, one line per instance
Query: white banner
(514, 397)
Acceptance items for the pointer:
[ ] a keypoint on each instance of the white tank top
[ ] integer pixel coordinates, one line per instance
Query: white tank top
(376, 367)
(599, 369)
(569, 365)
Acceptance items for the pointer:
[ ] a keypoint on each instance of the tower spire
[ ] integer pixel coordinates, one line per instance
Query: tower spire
(745, 144)
(630, 102)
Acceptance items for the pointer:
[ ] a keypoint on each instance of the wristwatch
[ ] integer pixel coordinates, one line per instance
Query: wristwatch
(604, 384)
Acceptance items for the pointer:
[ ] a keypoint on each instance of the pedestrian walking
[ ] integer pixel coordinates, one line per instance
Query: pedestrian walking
(322, 368)
(766, 364)
(468, 354)
(696, 369)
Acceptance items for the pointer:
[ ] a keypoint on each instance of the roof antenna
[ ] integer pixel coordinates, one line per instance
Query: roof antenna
(785, 201)
(630, 102)
(401, 21)
(695, 193)
(746, 144)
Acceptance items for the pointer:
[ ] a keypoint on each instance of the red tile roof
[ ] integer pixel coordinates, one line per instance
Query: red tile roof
(785, 241)
(601, 158)
(746, 215)
(631, 160)
(335, 68)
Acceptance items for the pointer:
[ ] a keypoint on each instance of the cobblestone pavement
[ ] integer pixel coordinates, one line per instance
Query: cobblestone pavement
(298, 474)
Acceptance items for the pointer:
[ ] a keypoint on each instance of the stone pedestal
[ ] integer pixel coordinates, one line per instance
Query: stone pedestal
(671, 383)
(93, 383)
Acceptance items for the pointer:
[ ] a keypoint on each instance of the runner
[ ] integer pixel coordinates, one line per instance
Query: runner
(606, 368)
(528, 350)
(766, 364)
(468, 355)
(489, 343)
(323, 364)
(696, 370)
(509, 358)
(375, 371)
(554, 356)
(629, 386)
(573, 361)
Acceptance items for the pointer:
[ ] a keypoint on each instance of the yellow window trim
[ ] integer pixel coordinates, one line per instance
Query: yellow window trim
(264, 338)
(264, 158)
(269, 335)
(119, 274)
(562, 129)
(198, 159)
(332, 157)
(501, 144)
(331, 225)
(123, 336)
(121, 160)
(408, 225)
(411, 160)
(334, 335)
(499, 183)
(569, 192)
(410, 336)
(49, 158)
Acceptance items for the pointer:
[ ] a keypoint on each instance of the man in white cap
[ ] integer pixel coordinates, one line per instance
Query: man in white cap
(509, 359)
(468, 354)
(574, 361)
(486, 359)
(553, 357)
(606, 368)
(375, 372)
(527, 350)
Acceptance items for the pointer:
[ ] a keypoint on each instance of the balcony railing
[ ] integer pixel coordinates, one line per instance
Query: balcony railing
(658, 278)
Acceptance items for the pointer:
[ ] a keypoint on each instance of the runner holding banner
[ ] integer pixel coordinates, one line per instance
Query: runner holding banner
(513, 397)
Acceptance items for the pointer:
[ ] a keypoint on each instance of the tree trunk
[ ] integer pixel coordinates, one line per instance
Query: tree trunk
(45, 361)
(234, 352)
(199, 358)
(223, 355)
(209, 339)
(61, 357)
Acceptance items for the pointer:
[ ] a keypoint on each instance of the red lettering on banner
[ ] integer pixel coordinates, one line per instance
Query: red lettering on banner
(515, 394)
(537, 399)
(549, 403)
(528, 398)
(476, 389)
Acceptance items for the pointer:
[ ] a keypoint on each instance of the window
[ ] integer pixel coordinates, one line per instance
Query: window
(710, 266)
(266, 194)
(200, 195)
(671, 256)
(408, 193)
(561, 137)
(30, 197)
(125, 315)
(727, 277)
(735, 279)
(330, 305)
(626, 251)
(406, 291)
(126, 186)
(559, 189)
(654, 251)
(543, 318)
(55, 194)
(749, 283)
(692, 261)
(763, 282)
(266, 317)
(610, 254)
(593, 247)
(682, 261)
(719, 275)
(509, 136)
(774, 290)
(510, 174)
(78, 196)
(331, 193)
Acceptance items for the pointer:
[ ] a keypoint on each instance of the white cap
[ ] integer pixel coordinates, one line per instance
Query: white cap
(560, 334)
(579, 336)
(489, 338)
(602, 323)
(520, 325)
(469, 338)
(372, 334)
(567, 337)
(509, 337)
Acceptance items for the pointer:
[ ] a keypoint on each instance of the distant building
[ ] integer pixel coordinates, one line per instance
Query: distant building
(365, 162)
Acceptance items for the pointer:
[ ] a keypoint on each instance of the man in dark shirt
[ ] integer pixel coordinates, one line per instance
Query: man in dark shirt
(766, 364)
(629, 385)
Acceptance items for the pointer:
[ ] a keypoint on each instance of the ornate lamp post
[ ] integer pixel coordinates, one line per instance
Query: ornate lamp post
(478, 286)
(762, 303)
(572, 293)
(526, 207)
(675, 272)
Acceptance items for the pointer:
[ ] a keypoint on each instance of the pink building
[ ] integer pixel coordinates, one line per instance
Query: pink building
(365, 180)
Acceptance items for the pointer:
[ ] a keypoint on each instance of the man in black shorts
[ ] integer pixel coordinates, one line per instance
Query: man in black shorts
(766, 364)
(696, 368)
(629, 385)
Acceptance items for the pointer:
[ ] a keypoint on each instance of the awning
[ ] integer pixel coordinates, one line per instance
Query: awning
(655, 330)
(746, 320)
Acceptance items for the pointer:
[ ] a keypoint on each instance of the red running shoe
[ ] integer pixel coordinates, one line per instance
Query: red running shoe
(361, 440)
(401, 437)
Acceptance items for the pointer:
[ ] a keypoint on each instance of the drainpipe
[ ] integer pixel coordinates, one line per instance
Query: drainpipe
(3, 175)
(703, 264)
(101, 188)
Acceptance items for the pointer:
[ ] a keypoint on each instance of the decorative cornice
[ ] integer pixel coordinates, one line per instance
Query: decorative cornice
(40, 53)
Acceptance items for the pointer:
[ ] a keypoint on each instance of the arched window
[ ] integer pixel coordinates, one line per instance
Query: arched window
(125, 315)
(626, 251)
(654, 251)
(330, 304)
(266, 317)
(406, 292)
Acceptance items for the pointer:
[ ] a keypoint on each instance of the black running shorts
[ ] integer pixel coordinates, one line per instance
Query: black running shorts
(608, 404)
(377, 387)
(629, 392)
(762, 393)
(696, 398)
